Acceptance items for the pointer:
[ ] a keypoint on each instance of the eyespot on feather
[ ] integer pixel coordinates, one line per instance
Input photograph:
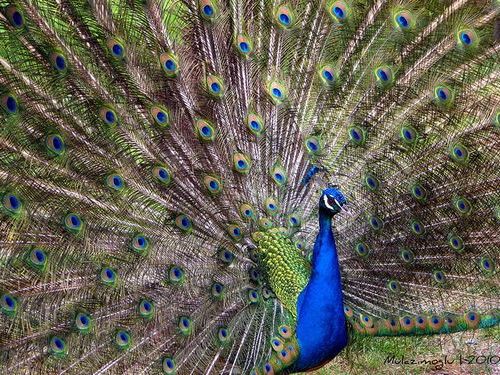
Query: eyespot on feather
(277, 92)
(205, 130)
(9, 104)
(255, 124)
(161, 115)
(15, 16)
(339, 11)
(244, 45)
(116, 48)
(284, 17)
(241, 163)
(54, 144)
(170, 64)
(208, 9)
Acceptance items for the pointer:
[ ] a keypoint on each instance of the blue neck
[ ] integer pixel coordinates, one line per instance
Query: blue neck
(321, 326)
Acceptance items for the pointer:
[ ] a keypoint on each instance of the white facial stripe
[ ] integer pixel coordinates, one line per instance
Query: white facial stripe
(325, 199)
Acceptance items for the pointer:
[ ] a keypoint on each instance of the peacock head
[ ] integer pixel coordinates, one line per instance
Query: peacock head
(331, 201)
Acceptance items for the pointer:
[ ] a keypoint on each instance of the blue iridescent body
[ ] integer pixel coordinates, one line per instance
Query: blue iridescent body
(321, 326)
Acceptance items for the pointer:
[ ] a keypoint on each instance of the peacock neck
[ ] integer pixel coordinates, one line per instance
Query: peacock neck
(321, 325)
(325, 260)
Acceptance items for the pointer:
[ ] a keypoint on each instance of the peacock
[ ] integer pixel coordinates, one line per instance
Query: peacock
(243, 186)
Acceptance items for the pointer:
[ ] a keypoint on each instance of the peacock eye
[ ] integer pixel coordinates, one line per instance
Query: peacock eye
(331, 201)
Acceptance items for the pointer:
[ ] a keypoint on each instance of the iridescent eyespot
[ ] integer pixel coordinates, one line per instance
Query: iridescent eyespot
(234, 231)
(168, 365)
(254, 274)
(268, 369)
(213, 184)
(183, 222)
(244, 45)
(278, 174)
(357, 135)
(146, 309)
(161, 115)
(435, 322)
(205, 130)
(393, 286)
(8, 304)
(285, 356)
(37, 259)
(462, 205)
(11, 204)
(418, 192)
(115, 182)
(241, 163)
(116, 48)
(271, 206)
(108, 115)
(407, 256)
(208, 9)
(467, 39)
(487, 265)
(255, 124)
(267, 293)
(407, 323)
(217, 291)
(417, 227)
(421, 322)
(253, 295)
(247, 212)
(408, 134)
(284, 17)
(55, 144)
(83, 322)
(15, 17)
(404, 20)
(384, 76)
(73, 223)
(285, 331)
(362, 249)
(215, 86)
(57, 346)
(108, 276)
(338, 10)
(265, 223)
(140, 244)
(170, 64)
(456, 243)
(450, 321)
(313, 145)
(9, 104)
(443, 95)
(438, 276)
(371, 182)
(222, 335)
(459, 153)
(375, 222)
(327, 75)
(392, 324)
(277, 344)
(365, 320)
(176, 275)
(123, 339)
(162, 174)
(348, 311)
(226, 256)
(58, 61)
(472, 319)
(277, 92)
(185, 325)
(294, 220)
